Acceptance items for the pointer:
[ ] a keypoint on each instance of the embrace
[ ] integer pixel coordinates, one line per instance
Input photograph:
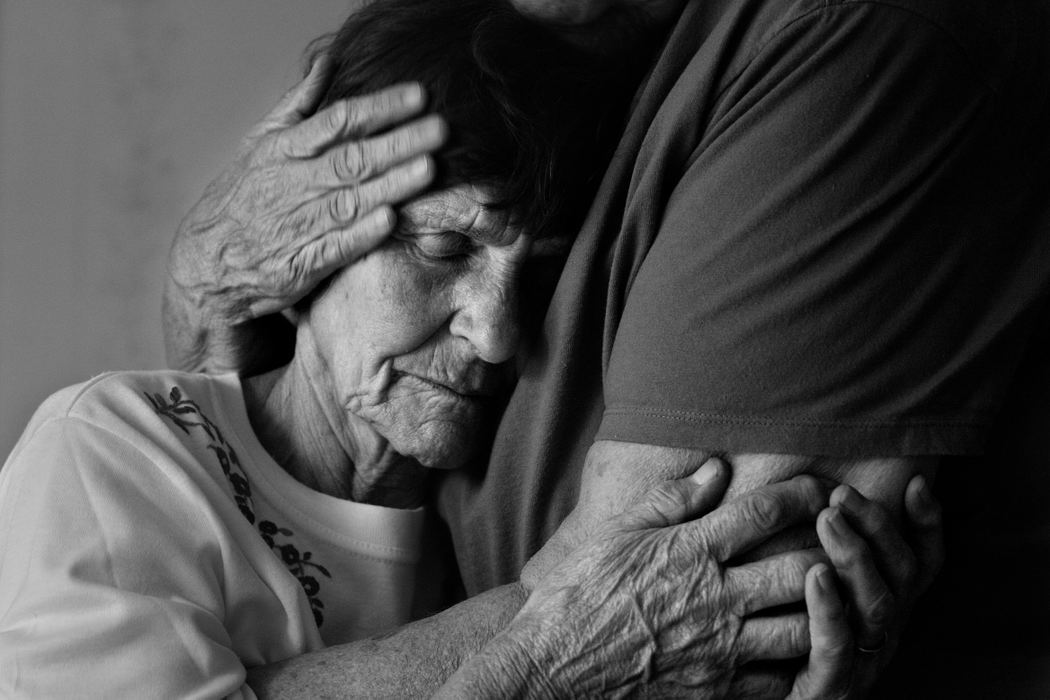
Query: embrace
(537, 348)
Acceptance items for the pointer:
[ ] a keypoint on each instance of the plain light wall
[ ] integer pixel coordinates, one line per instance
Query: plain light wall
(114, 114)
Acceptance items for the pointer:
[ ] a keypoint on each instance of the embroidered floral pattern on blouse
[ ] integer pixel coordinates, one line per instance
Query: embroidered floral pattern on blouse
(187, 415)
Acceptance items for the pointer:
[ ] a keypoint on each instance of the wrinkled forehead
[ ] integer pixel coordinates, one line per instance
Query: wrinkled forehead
(461, 208)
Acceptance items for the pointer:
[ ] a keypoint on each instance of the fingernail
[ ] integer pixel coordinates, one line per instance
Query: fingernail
(836, 522)
(421, 166)
(824, 578)
(385, 218)
(436, 128)
(413, 95)
(706, 473)
(923, 491)
(848, 499)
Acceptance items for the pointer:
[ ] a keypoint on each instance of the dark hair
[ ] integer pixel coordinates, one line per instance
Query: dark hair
(530, 113)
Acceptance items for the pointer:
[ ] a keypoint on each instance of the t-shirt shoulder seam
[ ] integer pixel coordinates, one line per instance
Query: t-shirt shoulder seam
(68, 417)
(73, 404)
(86, 387)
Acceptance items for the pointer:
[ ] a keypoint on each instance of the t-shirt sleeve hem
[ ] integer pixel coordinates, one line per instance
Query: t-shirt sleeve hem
(714, 432)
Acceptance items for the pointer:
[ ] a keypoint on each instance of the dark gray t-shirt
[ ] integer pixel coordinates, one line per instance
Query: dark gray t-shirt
(816, 237)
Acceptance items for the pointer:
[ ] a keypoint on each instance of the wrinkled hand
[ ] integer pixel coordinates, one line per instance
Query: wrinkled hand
(650, 604)
(305, 196)
(881, 576)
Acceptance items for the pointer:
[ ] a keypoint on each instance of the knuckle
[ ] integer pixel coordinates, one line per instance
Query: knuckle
(813, 491)
(881, 611)
(665, 503)
(852, 557)
(300, 222)
(334, 206)
(764, 510)
(335, 119)
(798, 639)
(297, 266)
(390, 148)
(343, 206)
(349, 162)
(879, 519)
(331, 251)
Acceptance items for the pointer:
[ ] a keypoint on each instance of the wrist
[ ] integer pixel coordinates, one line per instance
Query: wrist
(514, 664)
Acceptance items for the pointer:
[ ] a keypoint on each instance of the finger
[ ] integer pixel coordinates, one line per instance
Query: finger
(924, 515)
(299, 102)
(358, 160)
(774, 638)
(757, 515)
(343, 207)
(325, 254)
(352, 118)
(336, 249)
(675, 502)
(873, 602)
(830, 664)
(893, 557)
(302, 100)
(776, 580)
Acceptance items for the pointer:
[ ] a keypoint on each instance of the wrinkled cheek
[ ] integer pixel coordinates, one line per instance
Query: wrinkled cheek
(436, 430)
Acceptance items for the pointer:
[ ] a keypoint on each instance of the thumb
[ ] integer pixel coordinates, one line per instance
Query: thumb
(927, 530)
(675, 502)
(301, 101)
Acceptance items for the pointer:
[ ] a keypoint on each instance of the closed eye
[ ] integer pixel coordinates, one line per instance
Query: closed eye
(444, 245)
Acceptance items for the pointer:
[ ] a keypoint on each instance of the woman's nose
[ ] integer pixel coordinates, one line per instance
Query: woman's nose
(488, 318)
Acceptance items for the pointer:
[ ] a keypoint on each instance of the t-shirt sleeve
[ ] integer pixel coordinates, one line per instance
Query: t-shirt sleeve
(107, 588)
(832, 274)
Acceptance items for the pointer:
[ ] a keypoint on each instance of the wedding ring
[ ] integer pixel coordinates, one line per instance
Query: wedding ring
(876, 649)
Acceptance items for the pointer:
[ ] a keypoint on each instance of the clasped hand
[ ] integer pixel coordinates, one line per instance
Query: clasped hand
(654, 603)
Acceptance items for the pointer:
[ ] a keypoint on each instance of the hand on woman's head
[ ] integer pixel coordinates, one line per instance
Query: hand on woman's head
(308, 193)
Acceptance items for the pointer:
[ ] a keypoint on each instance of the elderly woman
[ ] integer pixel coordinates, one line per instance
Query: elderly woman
(162, 533)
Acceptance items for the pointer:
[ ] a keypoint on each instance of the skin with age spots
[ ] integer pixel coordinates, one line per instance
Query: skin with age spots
(404, 357)
(416, 337)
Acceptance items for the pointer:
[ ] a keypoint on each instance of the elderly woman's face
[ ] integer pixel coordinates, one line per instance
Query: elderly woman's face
(416, 337)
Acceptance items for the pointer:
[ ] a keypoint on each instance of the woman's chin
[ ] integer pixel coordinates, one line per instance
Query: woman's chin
(443, 446)
(436, 427)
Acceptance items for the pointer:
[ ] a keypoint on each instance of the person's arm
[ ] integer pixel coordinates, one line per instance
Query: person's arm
(411, 661)
(612, 617)
(679, 650)
(616, 474)
(588, 631)
(307, 194)
(105, 590)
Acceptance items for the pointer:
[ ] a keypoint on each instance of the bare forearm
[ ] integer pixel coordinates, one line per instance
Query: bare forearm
(196, 343)
(500, 670)
(414, 661)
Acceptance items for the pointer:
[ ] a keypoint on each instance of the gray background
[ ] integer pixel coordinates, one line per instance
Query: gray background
(114, 114)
